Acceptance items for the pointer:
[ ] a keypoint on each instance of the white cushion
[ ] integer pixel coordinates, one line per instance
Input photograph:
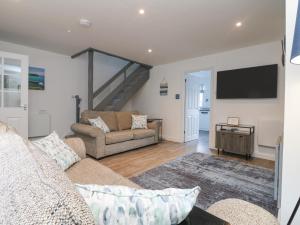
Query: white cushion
(56, 149)
(123, 205)
(139, 122)
(98, 122)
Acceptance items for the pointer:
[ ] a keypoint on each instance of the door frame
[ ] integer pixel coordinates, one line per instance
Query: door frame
(24, 101)
(212, 96)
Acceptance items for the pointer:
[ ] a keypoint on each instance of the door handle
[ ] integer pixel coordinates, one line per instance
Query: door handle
(25, 107)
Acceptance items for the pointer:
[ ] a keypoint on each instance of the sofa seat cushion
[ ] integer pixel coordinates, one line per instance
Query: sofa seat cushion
(118, 136)
(89, 171)
(143, 133)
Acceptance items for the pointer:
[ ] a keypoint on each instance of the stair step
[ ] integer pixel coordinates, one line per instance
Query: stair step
(118, 97)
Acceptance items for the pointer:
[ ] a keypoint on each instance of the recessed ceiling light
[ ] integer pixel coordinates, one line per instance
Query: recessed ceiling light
(69, 31)
(142, 11)
(239, 24)
(85, 22)
(149, 50)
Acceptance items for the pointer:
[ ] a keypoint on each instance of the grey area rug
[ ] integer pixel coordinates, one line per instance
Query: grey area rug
(218, 178)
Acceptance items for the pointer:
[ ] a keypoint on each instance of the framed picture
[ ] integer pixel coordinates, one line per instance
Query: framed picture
(233, 121)
(36, 78)
(163, 88)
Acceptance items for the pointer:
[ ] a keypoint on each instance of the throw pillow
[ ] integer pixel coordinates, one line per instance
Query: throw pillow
(124, 205)
(139, 122)
(56, 149)
(98, 122)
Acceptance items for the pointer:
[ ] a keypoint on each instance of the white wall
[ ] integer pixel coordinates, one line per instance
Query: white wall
(250, 111)
(64, 77)
(291, 147)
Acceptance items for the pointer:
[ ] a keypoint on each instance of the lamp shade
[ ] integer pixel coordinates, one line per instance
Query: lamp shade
(295, 58)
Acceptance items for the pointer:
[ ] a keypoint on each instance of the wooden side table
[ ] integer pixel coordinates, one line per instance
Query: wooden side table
(160, 121)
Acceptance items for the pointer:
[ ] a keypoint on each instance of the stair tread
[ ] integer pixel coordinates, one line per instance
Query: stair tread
(119, 97)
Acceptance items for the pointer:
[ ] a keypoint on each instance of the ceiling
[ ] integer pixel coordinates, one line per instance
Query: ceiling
(173, 29)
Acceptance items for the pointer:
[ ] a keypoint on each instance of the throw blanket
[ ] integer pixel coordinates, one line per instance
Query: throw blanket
(34, 190)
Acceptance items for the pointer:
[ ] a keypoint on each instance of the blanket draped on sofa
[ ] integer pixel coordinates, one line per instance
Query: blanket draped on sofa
(34, 190)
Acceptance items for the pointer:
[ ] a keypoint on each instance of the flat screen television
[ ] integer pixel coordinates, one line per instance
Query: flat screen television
(253, 82)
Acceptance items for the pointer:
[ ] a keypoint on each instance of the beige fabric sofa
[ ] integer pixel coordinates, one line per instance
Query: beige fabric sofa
(90, 171)
(120, 139)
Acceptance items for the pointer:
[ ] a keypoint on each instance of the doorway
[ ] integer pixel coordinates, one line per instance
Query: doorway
(198, 107)
(14, 91)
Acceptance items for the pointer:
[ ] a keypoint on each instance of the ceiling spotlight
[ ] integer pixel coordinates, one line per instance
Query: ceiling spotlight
(238, 24)
(149, 50)
(142, 11)
(85, 22)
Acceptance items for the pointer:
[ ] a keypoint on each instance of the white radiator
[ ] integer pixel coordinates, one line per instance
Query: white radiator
(268, 132)
(39, 124)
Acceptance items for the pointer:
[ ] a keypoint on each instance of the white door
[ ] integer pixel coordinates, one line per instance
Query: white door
(204, 120)
(14, 91)
(192, 91)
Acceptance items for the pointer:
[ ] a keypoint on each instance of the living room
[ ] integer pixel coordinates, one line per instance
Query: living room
(88, 48)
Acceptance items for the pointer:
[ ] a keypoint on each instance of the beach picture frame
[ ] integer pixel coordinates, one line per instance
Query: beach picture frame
(36, 76)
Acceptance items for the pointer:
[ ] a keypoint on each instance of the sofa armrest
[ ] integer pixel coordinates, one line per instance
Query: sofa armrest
(88, 130)
(77, 145)
(93, 138)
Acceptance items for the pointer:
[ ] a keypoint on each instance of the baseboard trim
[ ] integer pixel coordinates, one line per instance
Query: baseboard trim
(172, 139)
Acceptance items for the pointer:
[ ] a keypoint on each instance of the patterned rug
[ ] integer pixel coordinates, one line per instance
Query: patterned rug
(218, 178)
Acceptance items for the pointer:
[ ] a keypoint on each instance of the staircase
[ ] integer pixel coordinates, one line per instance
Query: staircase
(115, 93)
(119, 96)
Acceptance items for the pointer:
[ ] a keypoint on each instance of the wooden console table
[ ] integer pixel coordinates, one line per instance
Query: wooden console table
(235, 139)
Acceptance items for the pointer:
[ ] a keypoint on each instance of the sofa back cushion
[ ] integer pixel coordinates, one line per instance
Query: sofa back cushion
(34, 190)
(108, 117)
(125, 120)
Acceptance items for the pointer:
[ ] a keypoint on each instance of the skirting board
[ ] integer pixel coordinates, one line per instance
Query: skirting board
(172, 139)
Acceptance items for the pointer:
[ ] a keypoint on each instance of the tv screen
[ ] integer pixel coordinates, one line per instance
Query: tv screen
(254, 82)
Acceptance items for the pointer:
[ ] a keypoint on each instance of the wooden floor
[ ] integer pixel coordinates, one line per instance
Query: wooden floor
(133, 163)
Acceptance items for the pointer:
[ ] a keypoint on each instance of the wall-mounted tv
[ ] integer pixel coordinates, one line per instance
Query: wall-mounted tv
(253, 82)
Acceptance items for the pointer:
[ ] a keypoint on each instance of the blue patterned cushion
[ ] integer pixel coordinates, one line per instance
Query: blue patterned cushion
(56, 149)
(121, 205)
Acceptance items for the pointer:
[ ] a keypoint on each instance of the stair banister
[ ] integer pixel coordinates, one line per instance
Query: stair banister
(107, 83)
(133, 81)
(90, 79)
